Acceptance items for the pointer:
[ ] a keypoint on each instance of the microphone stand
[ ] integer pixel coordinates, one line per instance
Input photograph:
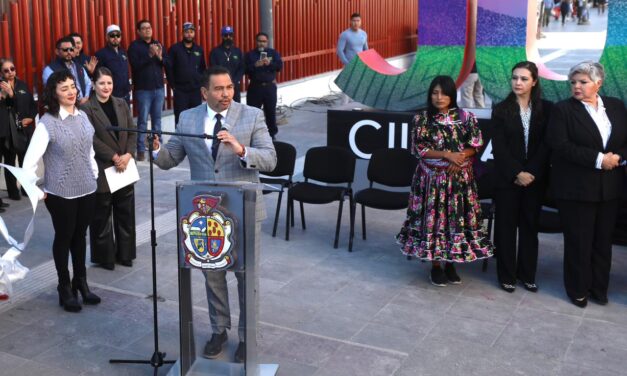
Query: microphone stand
(157, 359)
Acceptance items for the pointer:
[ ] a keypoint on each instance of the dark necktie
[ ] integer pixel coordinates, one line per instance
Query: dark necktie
(216, 143)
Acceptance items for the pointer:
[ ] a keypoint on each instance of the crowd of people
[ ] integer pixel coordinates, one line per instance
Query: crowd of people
(576, 148)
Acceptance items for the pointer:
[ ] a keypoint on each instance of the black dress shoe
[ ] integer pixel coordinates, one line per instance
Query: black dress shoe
(79, 284)
(530, 286)
(66, 299)
(15, 196)
(213, 348)
(240, 353)
(3, 204)
(507, 287)
(598, 299)
(107, 265)
(128, 263)
(579, 302)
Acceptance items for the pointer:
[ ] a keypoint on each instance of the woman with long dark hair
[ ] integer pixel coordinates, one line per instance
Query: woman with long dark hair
(64, 139)
(444, 215)
(521, 158)
(112, 231)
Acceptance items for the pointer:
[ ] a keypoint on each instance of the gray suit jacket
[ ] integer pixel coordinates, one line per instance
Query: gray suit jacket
(247, 124)
(106, 145)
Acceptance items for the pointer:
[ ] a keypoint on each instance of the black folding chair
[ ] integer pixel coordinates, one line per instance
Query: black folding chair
(281, 176)
(324, 164)
(389, 167)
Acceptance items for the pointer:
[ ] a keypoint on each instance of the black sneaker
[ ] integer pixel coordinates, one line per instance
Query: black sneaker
(598, 299)
(437, 277)
(213, 348)
(507, 287)
(451, 274)
(532, 287)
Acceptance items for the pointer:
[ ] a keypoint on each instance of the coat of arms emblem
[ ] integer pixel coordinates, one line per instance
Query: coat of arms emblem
(207, 234)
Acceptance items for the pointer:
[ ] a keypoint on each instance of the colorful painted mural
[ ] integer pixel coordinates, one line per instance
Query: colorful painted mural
(499, 33)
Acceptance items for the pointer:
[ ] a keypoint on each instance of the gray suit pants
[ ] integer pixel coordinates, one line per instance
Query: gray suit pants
(218, 297)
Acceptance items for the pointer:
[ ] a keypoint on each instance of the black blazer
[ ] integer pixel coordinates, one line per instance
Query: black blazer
(106, 145)
(508, 145)
(576, 143)
(22, 103)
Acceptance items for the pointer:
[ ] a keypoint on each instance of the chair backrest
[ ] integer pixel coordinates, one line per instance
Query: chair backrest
(285, 160)
(392, 167)
(329, 164)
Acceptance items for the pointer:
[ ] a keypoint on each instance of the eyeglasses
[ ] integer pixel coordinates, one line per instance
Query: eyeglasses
(69, 49)
(262, 41)
(115, 35)
(9, 69)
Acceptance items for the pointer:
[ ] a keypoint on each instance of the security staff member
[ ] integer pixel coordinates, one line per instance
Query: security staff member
(114, 58)
(184, 69)
(262, 65)
(230, 57)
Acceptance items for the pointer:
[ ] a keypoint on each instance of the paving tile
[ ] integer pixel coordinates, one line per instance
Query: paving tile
(31, 368)
(10, 362)
(473, 331)
(8, 326)
(332, 325)
(390, 337)
(31, 340)
(303, 349)
(482, 309)
(447, 356)
(596, 355)
(579, 370)
(350, 360)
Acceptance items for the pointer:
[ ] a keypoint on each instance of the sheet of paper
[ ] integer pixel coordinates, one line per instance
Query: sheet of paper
(118, 180)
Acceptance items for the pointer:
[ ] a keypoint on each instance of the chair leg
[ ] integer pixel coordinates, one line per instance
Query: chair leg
(288, 214)
(276, 215)
(353, 209)
(292, 211)
(339, 222)
(363, 221)
(302, 215)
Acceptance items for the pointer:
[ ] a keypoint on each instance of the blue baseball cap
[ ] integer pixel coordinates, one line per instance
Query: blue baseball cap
(188, 26)
(227, 30)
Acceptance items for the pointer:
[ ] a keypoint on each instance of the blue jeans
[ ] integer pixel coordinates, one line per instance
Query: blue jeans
(148, 102)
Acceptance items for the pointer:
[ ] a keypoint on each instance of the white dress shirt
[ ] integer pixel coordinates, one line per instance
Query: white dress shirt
(599, 116)
(39, 144)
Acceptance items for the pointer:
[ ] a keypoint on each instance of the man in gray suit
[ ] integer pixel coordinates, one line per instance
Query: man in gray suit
(241, 147)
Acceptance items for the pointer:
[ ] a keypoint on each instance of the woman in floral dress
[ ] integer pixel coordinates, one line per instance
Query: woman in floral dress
(443, 218)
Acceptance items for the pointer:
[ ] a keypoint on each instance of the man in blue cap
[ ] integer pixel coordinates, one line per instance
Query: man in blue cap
(184, 68)
(230, 57)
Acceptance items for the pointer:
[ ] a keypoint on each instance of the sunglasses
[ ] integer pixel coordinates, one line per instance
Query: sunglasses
(69, 49)
(9, 69)
(115, 35)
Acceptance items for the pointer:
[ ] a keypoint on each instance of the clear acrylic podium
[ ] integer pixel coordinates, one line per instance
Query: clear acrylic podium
(216, 232)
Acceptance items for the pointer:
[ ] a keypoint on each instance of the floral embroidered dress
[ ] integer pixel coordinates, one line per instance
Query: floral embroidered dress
(443, 217)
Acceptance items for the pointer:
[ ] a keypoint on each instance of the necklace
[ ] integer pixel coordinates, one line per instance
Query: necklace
(228, 55)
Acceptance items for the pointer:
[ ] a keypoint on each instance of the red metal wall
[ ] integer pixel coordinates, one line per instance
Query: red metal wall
(305, 31)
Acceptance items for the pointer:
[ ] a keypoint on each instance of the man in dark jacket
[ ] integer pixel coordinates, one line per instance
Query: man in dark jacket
(230, 57)
(184, 68)
(64, 60)
(146, 58)
(262, 65)
(114, 57)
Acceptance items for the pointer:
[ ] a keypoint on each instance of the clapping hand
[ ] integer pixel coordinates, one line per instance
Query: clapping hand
(6, 87)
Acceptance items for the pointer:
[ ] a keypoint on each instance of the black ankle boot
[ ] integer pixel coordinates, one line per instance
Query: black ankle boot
(79, 284)
(66, 299)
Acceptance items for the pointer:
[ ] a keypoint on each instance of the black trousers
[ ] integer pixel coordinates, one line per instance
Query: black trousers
(8, 157)
(70, 219)
(184, 100)
(264, 95)
(112, 231)
(237, 95)
(517, 212)
(588, 228)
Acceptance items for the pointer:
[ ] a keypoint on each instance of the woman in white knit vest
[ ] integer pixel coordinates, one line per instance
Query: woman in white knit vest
(64, 139)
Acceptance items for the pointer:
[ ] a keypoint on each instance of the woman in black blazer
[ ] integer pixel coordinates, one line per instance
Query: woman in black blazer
(111, 242)
(16, 100)
(588, 135)
(521, 160)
